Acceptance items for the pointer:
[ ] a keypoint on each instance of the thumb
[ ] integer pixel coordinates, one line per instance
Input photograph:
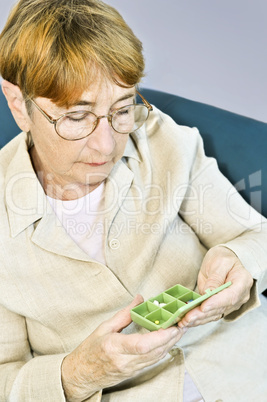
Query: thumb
(123, 318)
(215, 267)
(212, 282)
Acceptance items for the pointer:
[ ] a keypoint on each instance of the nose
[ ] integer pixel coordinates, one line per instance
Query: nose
(102, 138)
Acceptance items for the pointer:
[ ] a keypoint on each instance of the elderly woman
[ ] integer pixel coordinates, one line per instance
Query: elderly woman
(106, 199)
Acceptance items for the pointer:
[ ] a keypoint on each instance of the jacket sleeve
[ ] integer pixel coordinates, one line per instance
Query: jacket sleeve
(220, 216)
(22, 377)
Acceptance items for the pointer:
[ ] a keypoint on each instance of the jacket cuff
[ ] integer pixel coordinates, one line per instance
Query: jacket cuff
(39, 380)
(252, 266)
(251, 304)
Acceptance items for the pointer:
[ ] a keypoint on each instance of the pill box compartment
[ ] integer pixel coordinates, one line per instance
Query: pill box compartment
(168, 308)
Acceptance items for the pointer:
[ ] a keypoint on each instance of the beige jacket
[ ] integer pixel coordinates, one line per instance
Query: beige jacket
(166, 204)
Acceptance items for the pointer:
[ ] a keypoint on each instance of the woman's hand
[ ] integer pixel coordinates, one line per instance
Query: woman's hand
(108, 357)
(219, 266)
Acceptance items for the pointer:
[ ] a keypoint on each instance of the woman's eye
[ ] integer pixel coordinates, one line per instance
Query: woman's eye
(77, 118)
(123, 112)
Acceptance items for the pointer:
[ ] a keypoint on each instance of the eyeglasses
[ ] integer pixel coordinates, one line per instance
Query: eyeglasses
(73, 126)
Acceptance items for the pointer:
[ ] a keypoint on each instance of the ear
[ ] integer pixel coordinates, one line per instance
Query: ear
(16, 104)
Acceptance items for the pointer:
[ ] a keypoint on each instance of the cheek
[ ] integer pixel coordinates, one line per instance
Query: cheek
(55, 153)
(65, 156)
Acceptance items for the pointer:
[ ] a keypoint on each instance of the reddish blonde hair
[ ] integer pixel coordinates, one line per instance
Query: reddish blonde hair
(56, 48)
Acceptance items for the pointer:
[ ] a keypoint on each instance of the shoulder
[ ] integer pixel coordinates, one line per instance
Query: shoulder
(161, 127)
(170, 141)
(17, 145)
(13, 161)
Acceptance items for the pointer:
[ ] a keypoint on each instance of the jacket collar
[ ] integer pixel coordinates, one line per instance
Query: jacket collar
(25, 198)
(131, 149)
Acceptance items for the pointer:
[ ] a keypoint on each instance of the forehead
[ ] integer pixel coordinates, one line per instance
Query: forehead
(105, 92)
(101, 93)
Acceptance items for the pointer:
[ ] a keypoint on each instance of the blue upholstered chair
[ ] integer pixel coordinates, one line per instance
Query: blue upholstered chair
(238, 143)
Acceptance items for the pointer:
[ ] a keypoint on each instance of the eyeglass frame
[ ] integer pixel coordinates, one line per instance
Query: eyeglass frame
(108, 116)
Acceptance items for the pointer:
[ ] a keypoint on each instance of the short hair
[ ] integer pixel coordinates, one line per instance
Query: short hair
(57, 48)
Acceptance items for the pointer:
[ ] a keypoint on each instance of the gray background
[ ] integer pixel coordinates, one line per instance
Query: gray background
(213, 51)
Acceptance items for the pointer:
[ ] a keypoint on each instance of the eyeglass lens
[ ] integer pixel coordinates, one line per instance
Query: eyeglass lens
(80, 124)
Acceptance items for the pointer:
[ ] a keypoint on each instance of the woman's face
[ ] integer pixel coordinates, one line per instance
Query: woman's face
(71, 169)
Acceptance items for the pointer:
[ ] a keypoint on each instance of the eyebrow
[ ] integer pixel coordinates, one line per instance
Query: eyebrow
(88, 103)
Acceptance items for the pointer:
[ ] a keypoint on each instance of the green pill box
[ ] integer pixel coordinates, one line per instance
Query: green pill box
(169, 307)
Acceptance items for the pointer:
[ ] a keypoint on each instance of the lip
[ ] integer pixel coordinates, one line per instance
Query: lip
(96, 164)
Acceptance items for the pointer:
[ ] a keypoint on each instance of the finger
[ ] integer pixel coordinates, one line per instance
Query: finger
(143, 344)
(147, 354)
(205, 320)
(197, 317)
(231, 298)
(215, 267)
(218, 302)
(214, 281)
(156, 355)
